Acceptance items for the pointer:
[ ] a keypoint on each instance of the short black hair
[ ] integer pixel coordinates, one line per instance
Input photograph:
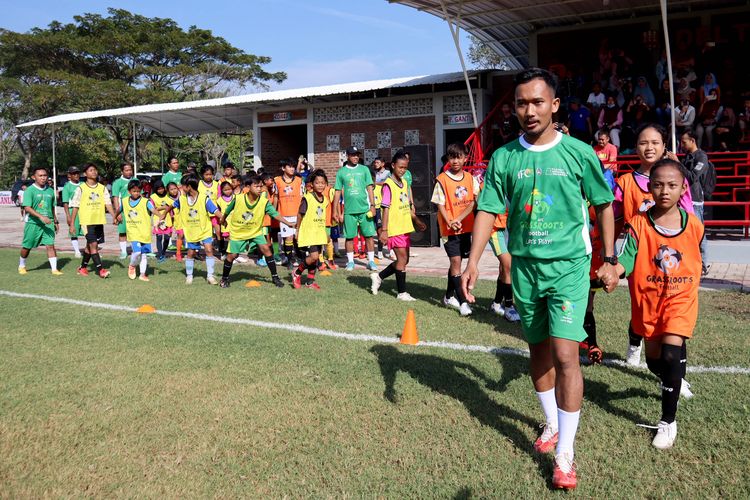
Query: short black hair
(691, 133)
(265, 176)
(286, 162)
(666, 163)
(125, 164)
(158, 183)
(207, 168)
(190, 181)
(529, 74)
(89, 165)
(135, 183)
(252, 179)
(400, 155)
(224, 183)
(315, 174)
(34, 170)
(662, 131)
(457, 149)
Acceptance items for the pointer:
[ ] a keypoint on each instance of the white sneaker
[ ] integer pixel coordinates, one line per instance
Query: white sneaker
(212, 280)
(452, 302)
(78, 255)
(376, 282)
(665, 435)
(512, 315)
(497, 308)
(685, 391)
(465, 309)
(189, 280)
(242, 259)
(405, 297)
(633, 356)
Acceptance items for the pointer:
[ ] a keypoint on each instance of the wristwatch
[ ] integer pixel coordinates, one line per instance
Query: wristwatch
(611, 260)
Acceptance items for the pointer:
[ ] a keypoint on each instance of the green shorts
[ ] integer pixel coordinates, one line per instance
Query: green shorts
(245, 246)
(551, 297)
(498, 243)
(121, 227)
(328, 231)
(77, 231)
(35, 235)
(353, 221)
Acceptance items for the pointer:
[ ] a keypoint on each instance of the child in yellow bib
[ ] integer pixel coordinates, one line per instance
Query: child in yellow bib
(311, 229)
(136, 212)
(162, 226)
(223, 201)
(398, 224)
(244, 218)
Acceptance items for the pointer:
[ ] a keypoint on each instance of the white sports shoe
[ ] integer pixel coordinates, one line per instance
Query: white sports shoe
(497, 308)
(685, 391)
(212, 280)
(512, 315)
(189, 280)
(465, 309)
(242, 259)
(452, 302)
(633, 356)
(376, 282)
(665, 435)
(405, 297)
(78, 255)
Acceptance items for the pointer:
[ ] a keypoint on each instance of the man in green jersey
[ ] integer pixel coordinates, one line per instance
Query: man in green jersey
(41, 226)
(74, 228)
(545, 178)
(173, 174)
(120, 191)
(355, 181)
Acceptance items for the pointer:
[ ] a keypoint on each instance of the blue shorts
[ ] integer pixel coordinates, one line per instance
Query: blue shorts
(197, 245)
(139, 247)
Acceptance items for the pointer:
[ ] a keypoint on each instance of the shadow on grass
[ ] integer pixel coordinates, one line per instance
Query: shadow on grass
(459, 381)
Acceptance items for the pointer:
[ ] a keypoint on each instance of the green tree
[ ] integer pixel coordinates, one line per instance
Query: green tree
(483, 56)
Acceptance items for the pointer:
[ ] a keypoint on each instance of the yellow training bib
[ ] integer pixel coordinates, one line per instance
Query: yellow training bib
(399, 212)
(245, 222)
(195, 220)
(161, 201)
(92, 208)
(137, 220)
(312, 228)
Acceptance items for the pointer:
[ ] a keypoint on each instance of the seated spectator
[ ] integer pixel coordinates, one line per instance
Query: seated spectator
(663, 105)
(685, 117)
(610, 118)
(596, 99)
(642, 89)
(579, 121)
(706, 122)
(744, 118)
(726, 129)
(709, 84)
(637, 112)
(685, 91)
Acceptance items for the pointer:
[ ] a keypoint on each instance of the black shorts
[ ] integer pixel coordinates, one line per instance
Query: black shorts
(95, 233)
(458, 245)
(378, 218)
(304, 252)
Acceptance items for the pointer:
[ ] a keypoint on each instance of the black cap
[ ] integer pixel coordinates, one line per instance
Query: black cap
(74, 170)
(352, 150)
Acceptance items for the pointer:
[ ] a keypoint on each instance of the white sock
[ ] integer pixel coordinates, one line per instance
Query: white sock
(144, 264)
(76, 248)
(370, 256)
(567, 431)
(350, 256)
(336, 246)
(189, 265)
(53, 263)
(21, 262)
(134, 258)
(549, 406)
(123, 247)
(210, 265)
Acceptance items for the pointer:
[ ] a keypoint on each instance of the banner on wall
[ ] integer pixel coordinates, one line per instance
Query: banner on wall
(5, 198)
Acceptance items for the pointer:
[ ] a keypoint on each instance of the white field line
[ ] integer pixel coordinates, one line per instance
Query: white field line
(290, 327)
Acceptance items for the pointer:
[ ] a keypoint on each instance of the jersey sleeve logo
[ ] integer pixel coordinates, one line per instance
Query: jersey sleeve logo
(667, 259)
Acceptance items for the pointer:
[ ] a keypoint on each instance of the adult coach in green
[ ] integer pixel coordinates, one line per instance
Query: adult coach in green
(545, 178)
(120, 191)
(173, 174)
(355, 181)
(41, 226)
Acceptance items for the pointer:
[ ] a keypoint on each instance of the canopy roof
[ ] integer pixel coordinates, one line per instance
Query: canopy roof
(236, 112)
(506, 24)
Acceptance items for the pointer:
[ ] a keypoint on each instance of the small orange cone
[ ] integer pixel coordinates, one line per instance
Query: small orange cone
(146, 309)
(409, 335)
(252, 284)
(325, 273)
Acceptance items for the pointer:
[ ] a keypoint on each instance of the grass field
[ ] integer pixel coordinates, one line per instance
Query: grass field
(112, 403)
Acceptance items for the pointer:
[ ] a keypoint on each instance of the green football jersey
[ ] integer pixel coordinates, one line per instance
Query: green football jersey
(545, 189)
(120, 187)
(407, 177)
(41, 200)
(353, 181)
(170, 176)
(69, 190)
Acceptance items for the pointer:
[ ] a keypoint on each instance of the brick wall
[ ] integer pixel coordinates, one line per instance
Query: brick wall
(278, 143)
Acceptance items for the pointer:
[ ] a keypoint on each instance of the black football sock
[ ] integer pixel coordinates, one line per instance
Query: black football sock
(311, 268)
(450, 291)
(655, 366)
(300, 269)
(272, 266)
(401, 281)
(457, 286)
(227, 269)
(380, 246)
(683, 360)
(97, 261)
(635, 339)
(589, 326)
(159, 245)
(388, 271)
(498, 291)
(289, 251)
(670, 381)
(506, 294)
(85, 259)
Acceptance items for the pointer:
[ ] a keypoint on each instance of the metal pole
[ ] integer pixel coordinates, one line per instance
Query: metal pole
(54, 162)
(241, 164)
(669, 72)
(135, 153)
(454, 33)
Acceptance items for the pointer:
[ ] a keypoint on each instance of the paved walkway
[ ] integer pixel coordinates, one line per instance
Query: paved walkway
(733, 274)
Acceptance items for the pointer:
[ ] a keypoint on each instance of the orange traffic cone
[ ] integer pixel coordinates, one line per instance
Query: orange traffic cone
(409, 334)
(146, 309)
(325, 273)
(252, 284)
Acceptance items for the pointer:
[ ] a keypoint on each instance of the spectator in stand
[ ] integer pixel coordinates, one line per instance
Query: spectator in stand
(726, 129)
(567, 89)
(579, 121)
(610, 119)
(685, 117)
(743, 120)
(642, 89)
(661, 66)
(664, 105)
(707, 116)
(509, 126)
(696, 164)
(596, 99)
(607, 154)
(709, 84)
(637, 112)
(685, 91)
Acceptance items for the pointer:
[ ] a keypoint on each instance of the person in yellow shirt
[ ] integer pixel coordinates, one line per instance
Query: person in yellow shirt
(136, 212)
(244, 218)
(398, 224)
(90, 203)
(310, 230)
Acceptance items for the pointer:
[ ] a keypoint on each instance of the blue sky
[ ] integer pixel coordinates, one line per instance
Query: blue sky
(317, 42)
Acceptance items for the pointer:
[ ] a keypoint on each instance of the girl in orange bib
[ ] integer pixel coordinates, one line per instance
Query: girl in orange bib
(662, 253)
